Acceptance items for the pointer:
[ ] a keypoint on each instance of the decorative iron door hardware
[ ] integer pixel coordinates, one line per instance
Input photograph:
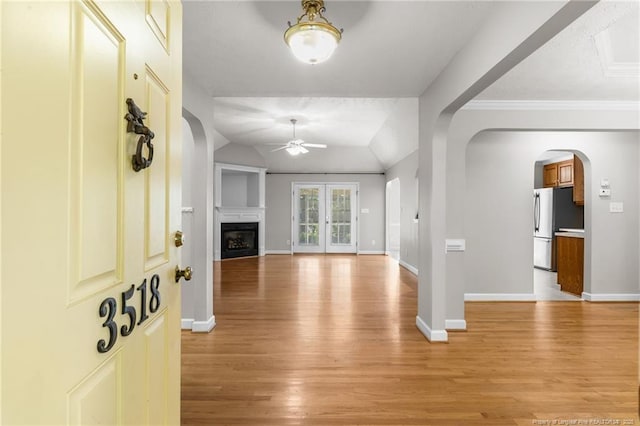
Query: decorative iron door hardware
(135, 125)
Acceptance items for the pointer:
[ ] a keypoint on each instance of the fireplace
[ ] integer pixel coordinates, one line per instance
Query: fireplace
(238, 240)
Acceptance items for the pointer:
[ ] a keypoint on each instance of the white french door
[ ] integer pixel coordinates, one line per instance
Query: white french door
(324, 218)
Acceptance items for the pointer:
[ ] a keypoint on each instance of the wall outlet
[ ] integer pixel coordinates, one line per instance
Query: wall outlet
(605, 192)
(288, 242)
(373, 242)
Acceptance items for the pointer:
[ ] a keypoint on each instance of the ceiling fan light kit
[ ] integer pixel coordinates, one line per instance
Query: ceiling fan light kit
(297, 146)
(312, 41)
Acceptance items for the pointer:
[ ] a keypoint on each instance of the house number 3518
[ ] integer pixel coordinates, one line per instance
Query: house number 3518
(109, 308)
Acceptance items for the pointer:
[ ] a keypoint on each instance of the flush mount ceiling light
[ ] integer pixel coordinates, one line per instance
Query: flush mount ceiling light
(312, 41)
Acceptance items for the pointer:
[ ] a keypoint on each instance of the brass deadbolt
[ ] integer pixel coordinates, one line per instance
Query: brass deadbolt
(179, 239)
(185, 273)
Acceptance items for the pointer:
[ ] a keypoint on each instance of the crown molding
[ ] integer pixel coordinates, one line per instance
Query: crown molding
(553, 105)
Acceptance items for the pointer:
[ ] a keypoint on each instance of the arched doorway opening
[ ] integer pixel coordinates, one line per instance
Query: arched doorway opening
(558, 225)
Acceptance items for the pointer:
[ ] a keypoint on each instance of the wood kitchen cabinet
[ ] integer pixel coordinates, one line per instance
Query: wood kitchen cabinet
(578, 181)
(558, 174)
(570, 264)
(550, 175)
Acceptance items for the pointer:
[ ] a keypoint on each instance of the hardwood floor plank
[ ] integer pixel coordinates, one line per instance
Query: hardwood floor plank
(331, 340)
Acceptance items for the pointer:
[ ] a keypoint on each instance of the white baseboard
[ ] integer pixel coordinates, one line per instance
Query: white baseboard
(499, 297)
(278, 251)
(431, 335)
(187, 323)
(371, 252)
(610, 297)
(387, 253)
(408, 267)
(204, 326)
(455, 324)
(557, 286)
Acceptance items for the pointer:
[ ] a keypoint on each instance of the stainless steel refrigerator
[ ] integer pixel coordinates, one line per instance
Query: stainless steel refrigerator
(553, 208)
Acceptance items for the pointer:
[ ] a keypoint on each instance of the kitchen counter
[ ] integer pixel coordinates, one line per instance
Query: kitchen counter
(569, 232)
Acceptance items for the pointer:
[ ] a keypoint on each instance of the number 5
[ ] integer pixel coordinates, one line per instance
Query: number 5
(128, 310)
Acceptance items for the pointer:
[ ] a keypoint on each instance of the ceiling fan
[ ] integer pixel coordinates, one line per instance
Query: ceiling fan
(298, 146)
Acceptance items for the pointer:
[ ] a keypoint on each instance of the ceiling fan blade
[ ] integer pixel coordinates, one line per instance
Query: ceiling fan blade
(314, 145)
(302, 149)
(278, 149)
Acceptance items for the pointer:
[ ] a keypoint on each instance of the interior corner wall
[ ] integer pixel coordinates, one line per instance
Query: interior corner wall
(278, 208)
(406, 171)
(498, 213)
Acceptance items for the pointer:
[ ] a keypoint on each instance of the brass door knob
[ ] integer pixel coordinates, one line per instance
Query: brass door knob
(185, 273)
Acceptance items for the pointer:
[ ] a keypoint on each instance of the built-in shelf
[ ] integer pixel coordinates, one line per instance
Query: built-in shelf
(239, 197)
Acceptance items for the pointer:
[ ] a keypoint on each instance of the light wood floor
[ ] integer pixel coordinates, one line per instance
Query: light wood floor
(331, 340)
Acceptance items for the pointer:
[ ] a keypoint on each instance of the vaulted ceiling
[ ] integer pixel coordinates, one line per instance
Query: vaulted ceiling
(362, 103)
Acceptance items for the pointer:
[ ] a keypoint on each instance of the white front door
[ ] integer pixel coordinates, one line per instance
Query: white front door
(324, 218)
(90, 328)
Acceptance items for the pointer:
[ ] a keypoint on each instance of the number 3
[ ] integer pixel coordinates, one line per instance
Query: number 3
(108, 309)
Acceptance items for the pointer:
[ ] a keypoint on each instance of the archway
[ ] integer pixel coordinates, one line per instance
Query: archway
(558, 228)
(197, 218)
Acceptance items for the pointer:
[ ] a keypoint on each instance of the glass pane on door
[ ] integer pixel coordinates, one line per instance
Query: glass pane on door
(341, 216)
(309, 216)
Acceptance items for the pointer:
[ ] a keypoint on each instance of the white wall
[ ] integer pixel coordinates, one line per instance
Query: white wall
(278, 208)
(406, 171)
(498, 212)
(242, 155)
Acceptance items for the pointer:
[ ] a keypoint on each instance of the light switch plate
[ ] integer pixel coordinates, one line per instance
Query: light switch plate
(616, 207)
(605, 192)
(604, 183)
(365, 211)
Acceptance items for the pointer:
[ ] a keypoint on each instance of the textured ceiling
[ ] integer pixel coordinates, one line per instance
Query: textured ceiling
(595, 58)
(390, 52)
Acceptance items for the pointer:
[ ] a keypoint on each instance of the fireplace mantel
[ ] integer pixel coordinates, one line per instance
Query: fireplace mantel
(239, 197)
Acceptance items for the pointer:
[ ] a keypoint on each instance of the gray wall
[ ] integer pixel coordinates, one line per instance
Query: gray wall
(498, 216)
(278, 207)
(234, 190)
(406, 170)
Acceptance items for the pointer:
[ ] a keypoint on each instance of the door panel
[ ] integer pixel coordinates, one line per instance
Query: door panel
(309, 219)
(87, 268)
(341, 219)
(156, 214)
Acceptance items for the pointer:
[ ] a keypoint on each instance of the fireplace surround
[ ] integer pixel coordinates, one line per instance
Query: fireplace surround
(238, 239)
